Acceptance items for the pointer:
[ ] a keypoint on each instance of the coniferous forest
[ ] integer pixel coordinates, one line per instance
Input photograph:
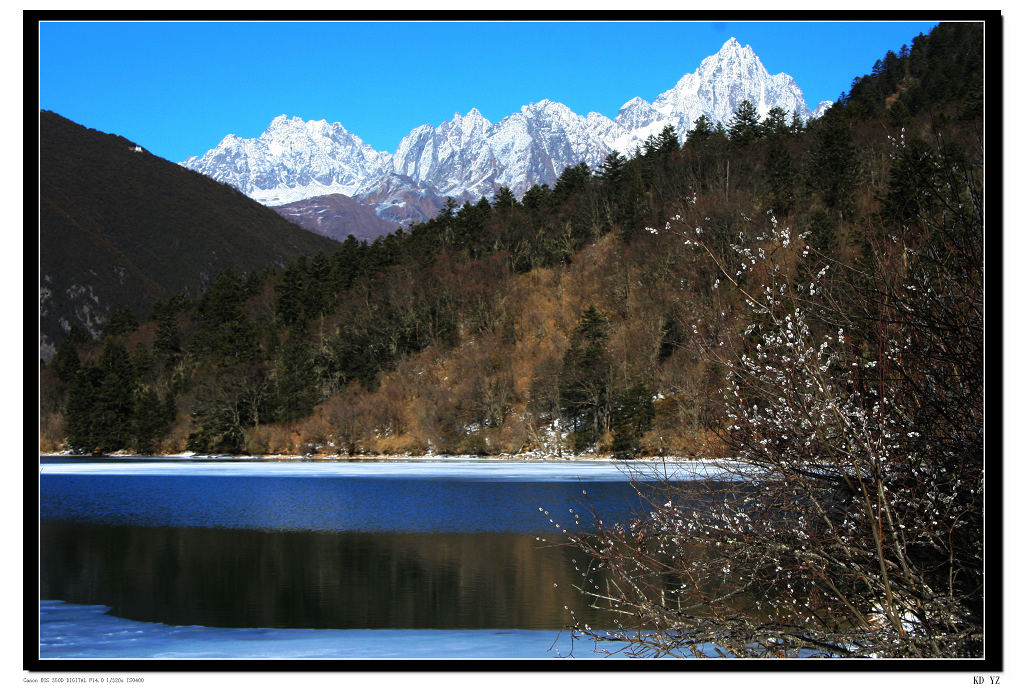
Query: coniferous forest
(608, 313)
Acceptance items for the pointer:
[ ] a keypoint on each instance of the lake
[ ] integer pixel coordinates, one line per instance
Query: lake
(156, 558)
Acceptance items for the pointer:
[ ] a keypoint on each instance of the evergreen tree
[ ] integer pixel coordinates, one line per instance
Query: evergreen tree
(584, 386)
(99, 410)
(150, 420)
(224, 329)
(347, 264)
(572, 179)
(504, 199)
(121, 322)
(77, 334)
(701, 131)
(822, 233)
(744, 126)
(632, 414)
(796, 125)
(291, 293)
(112, 413)
(774, 124)
(296, 388)
(81, 433)
(667, 142)
(536, 196)
(167, 342)
(832, 169)
(781, 178)
(65, 361)
(611, 169)
(319, 299)
(142, 360)
(673, 336)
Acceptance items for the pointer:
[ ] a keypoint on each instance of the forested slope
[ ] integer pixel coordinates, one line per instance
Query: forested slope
(580, 318)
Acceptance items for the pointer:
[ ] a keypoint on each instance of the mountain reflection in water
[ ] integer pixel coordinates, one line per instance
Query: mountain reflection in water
(343, 580)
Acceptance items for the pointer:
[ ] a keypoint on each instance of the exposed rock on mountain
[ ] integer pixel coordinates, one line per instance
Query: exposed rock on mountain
(468, 156)
(336, 216)
(292, 160)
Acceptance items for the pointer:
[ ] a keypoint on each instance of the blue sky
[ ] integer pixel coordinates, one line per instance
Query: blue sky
(178, 88)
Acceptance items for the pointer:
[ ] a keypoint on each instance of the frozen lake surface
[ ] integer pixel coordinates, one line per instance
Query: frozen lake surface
(87, 631)
(476, 470)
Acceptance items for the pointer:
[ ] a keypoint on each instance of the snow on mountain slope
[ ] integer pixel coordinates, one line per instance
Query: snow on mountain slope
(452, 158)
(468, 156)
(723, 81)
(293, 160)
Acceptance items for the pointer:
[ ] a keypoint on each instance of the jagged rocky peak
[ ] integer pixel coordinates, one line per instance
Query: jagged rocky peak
(469, 156)
(472, 124)
(724, 80)
(636, 113)
(733, 64)
(474, 118)
(292, 159)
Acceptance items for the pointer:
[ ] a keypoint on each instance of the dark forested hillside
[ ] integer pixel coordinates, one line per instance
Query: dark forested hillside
(574, 319)
(120, 227)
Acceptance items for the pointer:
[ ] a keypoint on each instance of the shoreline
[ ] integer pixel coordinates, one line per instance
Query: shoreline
(366, 458)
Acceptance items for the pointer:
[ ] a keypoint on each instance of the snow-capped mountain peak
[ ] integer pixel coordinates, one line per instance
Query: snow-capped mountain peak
(723, 81)
(291, 160)
(468, 156)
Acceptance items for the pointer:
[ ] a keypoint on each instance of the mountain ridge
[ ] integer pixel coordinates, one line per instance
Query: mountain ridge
(468, 156)
(122, 227)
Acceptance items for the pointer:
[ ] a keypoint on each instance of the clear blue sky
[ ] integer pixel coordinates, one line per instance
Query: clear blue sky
(178, 88)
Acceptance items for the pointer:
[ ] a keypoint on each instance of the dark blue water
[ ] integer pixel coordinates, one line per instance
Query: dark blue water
(325, 546)
(389, 504)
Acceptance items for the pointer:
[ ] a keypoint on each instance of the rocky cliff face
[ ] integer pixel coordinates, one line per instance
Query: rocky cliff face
(468, 156)
(336, 216)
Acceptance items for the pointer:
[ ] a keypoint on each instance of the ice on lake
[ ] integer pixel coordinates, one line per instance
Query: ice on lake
(88, 631)
(477, 470)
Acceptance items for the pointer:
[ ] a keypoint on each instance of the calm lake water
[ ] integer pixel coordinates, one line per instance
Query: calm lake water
(319, 546)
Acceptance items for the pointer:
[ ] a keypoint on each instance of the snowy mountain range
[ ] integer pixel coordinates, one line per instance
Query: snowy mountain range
(468, 156)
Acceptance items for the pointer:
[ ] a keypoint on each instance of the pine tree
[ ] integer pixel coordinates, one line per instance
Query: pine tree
(611, 169)
(536, 196)
(584, 385)
(296, 388)
(112, 414)
(99, 409)
(150, 420)
(832, 169)
(319, 299)
(81, 433)
(701, 131)
(667, 142)
(504, 199)
(121, 322)
(781, 178)
(744, 126)
(65, 361)
(774, 124)
(167, 342)
(572, 179)
(291, 293)
(796, 125)
(632, 414)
